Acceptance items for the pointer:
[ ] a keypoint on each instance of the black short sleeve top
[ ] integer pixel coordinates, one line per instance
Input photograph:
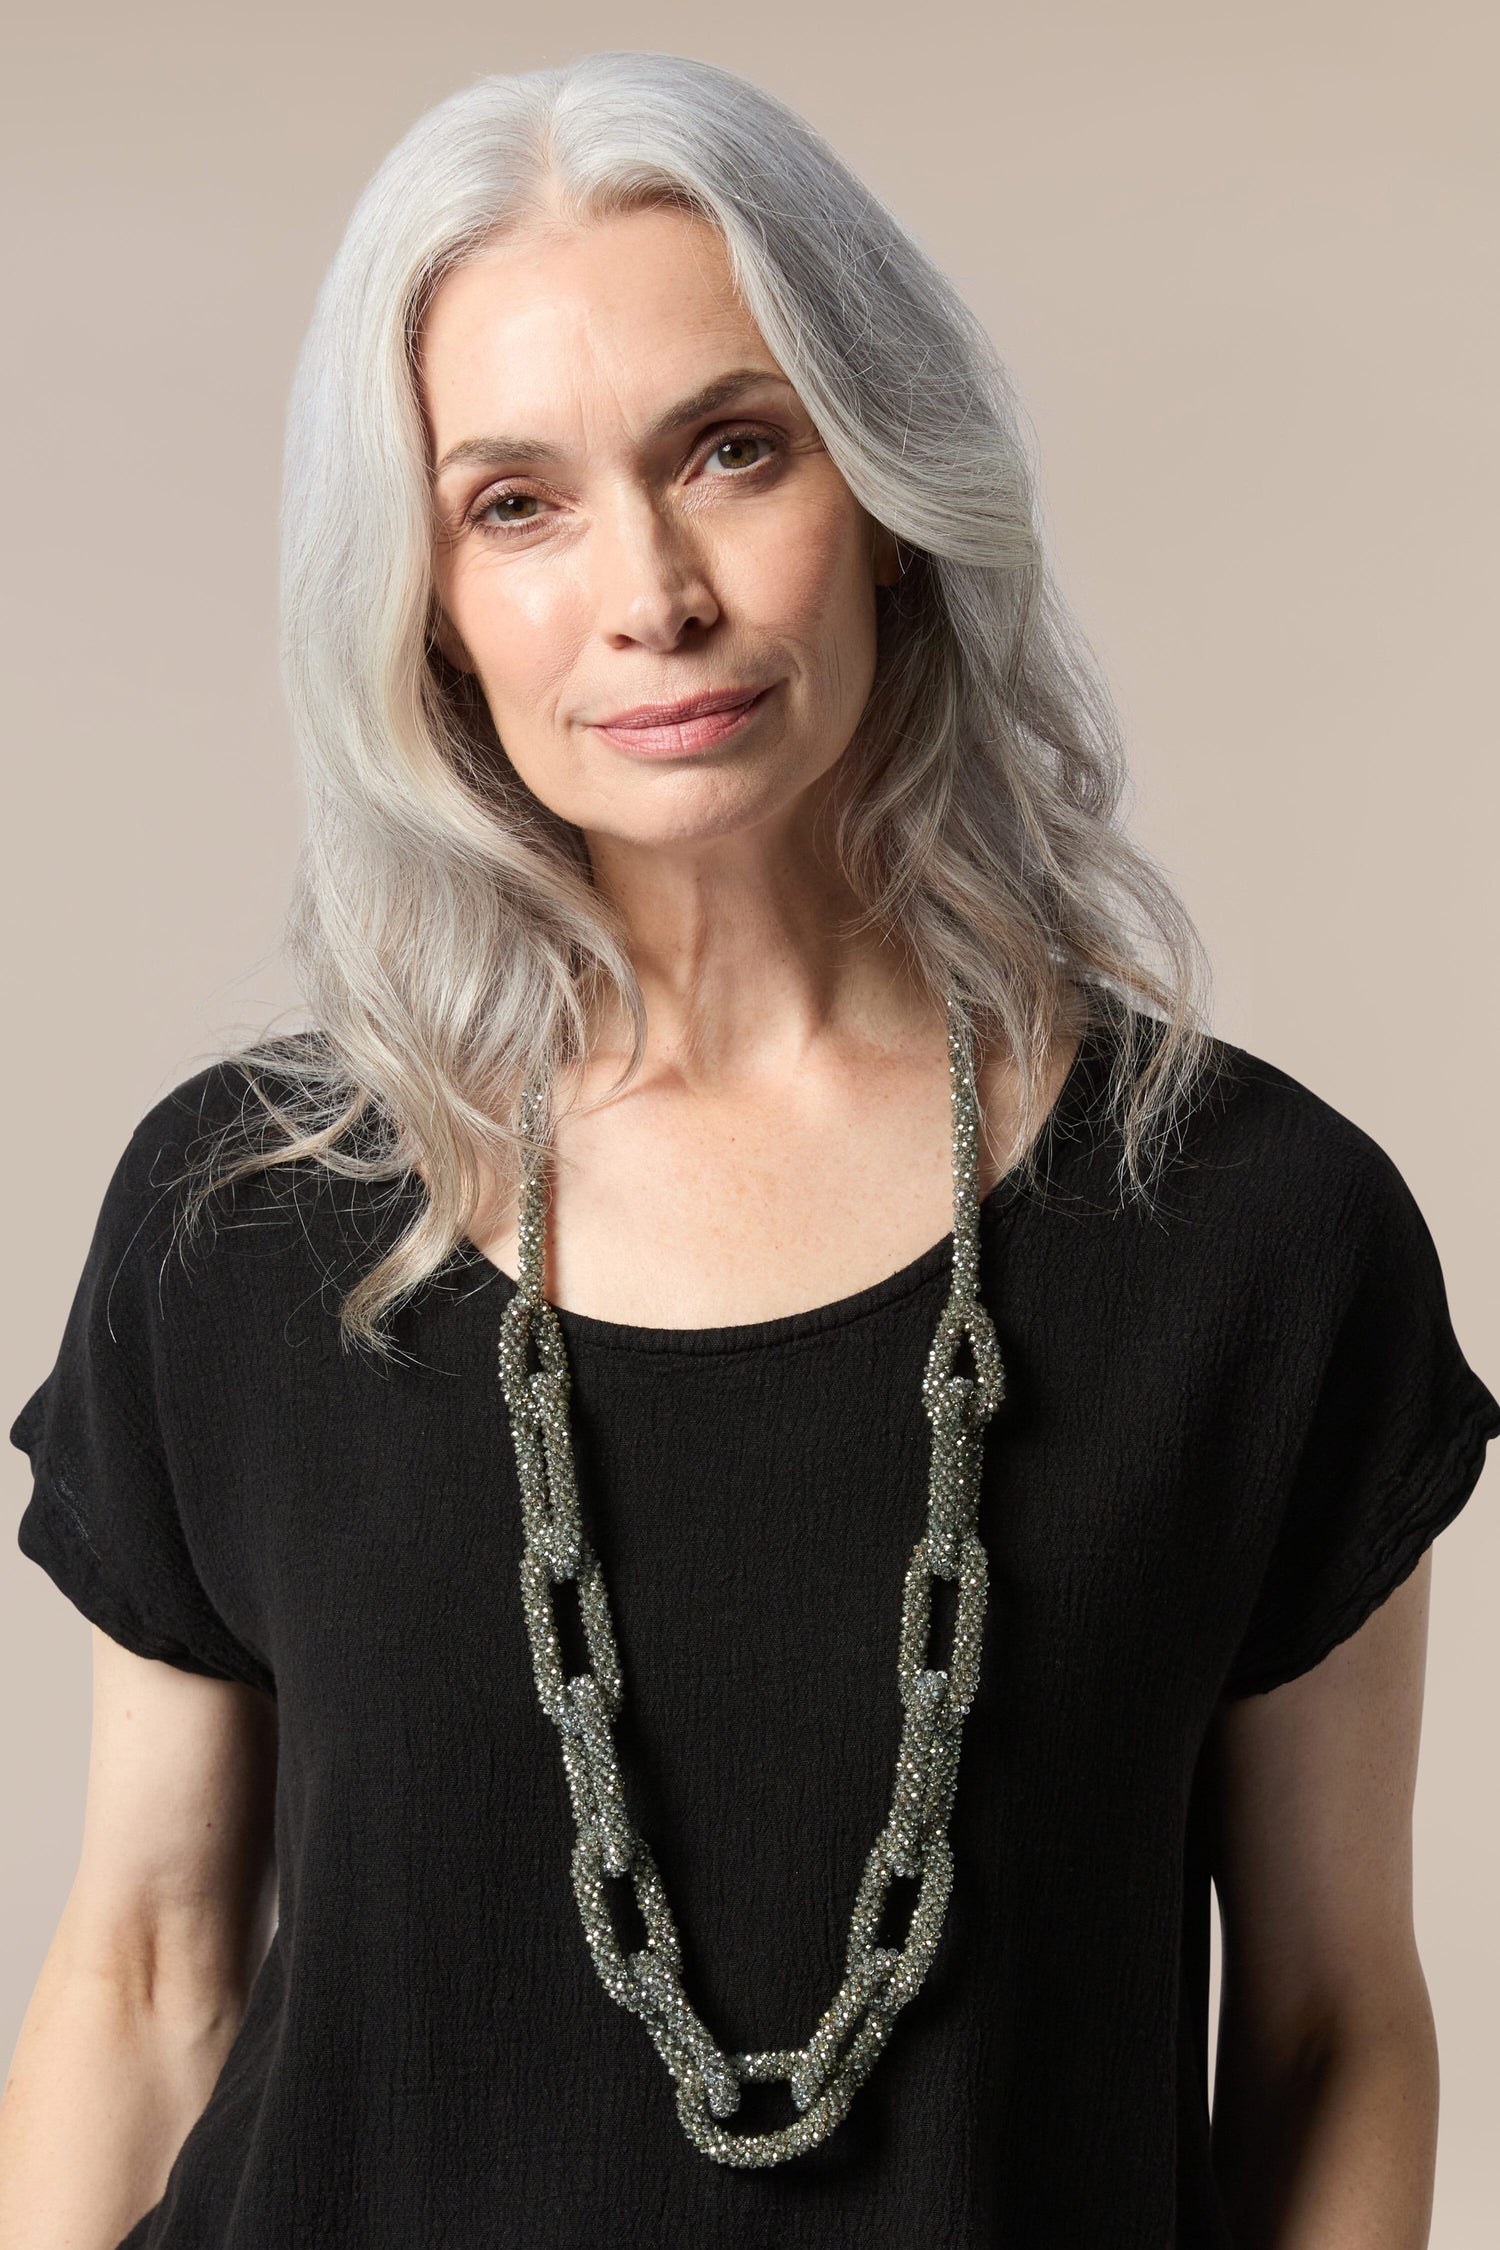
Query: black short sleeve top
(1233, 1423)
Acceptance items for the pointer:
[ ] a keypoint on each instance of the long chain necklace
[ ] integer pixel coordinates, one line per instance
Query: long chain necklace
(825, 2074)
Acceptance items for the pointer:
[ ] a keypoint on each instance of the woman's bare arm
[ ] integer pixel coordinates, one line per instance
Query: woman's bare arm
(1326, 2082)
(144, 1984)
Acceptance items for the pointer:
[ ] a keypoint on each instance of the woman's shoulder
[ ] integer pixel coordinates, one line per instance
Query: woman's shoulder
(225, 1102)
(184, 1144)
(1278, 1159)
(1256, 1102)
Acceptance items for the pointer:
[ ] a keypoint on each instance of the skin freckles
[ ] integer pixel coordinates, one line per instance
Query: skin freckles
(633, 566)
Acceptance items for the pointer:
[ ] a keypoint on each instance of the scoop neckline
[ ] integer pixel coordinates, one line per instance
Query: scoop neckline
(1079, 1086)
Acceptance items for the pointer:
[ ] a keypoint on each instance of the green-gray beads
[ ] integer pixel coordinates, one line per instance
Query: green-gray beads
(825, 2074)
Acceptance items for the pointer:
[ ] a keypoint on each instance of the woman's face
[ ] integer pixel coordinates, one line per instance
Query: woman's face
(632, 508)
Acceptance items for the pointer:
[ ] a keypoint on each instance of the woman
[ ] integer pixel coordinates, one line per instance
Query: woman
(757, 1161)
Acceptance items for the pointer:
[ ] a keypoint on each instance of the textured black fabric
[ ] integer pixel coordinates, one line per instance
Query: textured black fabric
(1233, 1424)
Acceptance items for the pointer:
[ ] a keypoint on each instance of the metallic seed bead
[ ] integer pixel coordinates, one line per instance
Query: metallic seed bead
(826, 2072)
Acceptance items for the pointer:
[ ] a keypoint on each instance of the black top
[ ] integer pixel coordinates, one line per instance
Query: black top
(1232, 1426)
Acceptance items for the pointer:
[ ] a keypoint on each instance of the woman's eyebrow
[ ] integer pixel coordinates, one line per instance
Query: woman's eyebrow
(533, 452)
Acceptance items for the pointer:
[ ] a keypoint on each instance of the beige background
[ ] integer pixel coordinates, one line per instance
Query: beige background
(1239, 262)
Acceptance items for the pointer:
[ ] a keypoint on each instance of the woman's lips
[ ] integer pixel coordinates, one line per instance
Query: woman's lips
(676, 741)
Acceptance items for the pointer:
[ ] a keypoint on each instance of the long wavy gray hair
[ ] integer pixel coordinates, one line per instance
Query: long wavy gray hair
(450, 943)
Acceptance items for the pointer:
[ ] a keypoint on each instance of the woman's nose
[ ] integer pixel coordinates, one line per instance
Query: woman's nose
(651, 574)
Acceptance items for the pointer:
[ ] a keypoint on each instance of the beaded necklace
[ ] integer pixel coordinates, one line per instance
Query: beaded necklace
(825, 2074)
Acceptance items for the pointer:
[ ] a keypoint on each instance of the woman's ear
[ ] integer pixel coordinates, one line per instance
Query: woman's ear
(443, 635)
(886, 556)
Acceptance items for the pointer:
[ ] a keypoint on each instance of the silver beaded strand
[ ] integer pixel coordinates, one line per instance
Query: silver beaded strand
(824, 2075)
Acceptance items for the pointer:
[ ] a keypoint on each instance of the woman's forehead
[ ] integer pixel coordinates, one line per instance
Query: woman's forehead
(630, 269)
(618, 325)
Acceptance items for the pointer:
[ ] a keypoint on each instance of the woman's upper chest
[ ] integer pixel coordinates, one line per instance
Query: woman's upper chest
(669, 1209)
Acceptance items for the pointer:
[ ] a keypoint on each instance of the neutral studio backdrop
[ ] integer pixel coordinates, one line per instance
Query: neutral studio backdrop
(1235, 261)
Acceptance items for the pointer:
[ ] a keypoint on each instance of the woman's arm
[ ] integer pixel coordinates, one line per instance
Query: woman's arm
(1326, 2083)
(144, 1984)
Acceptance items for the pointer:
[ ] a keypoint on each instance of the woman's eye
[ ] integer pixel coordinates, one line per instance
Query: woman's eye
(501, 502)
(740, 440)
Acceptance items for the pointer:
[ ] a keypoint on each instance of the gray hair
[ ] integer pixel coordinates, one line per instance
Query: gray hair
(449, 940)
